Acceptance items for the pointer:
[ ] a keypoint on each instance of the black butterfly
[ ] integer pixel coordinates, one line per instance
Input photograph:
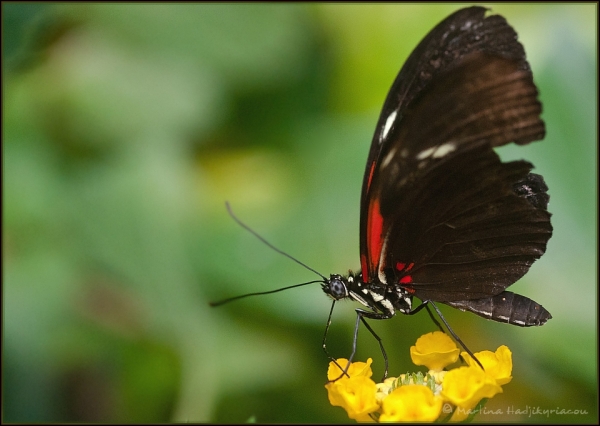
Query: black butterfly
(443, 219)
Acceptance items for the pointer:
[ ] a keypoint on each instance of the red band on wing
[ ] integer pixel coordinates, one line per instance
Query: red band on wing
(370, 176)
(374, 239)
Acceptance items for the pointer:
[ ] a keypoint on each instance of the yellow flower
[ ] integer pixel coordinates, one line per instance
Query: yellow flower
(418, 397)
(465, 387)
(498, 364)
(434, 350)
(411, 403)
(355, 394)
(355, 369)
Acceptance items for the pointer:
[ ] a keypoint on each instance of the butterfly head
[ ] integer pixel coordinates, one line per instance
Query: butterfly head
(336, 287)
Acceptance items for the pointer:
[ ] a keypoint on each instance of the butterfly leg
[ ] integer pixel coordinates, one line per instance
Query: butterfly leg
(360, 314)
(385, 358)
(332, 359)
(425, 304)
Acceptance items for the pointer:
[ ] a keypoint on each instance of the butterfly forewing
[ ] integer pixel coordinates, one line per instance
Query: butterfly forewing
(464, 32)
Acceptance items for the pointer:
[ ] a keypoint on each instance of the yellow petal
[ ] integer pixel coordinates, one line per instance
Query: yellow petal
(356, 395)
(496, 364)
(411, 403)
(434, 350)
(356, 369)
(466, 386)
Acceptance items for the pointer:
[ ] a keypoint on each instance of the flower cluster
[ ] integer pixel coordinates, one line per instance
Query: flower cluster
(417, 397)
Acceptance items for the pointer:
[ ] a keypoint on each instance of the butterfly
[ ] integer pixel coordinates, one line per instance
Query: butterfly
(443, 219)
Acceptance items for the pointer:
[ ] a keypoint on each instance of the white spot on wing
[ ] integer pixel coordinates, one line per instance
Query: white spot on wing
(425, 153)
(388, 158)
(437, 151)
(444, 150)
(388, 125)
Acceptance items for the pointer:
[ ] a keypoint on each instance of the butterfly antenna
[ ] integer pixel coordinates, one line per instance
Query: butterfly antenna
(231, 299)
(247, 228)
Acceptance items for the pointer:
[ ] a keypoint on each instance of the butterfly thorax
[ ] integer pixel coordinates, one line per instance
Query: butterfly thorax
(380, 298)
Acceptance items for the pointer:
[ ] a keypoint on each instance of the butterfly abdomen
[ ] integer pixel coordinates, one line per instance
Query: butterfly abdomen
(506, 307)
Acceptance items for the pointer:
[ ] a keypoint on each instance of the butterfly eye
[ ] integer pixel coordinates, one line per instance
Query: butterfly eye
(337, 287)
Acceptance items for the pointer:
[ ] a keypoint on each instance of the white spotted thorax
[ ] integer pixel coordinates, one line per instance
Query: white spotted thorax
(380, 298)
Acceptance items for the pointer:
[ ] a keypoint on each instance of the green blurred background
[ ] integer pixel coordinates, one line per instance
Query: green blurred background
(127, 127)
